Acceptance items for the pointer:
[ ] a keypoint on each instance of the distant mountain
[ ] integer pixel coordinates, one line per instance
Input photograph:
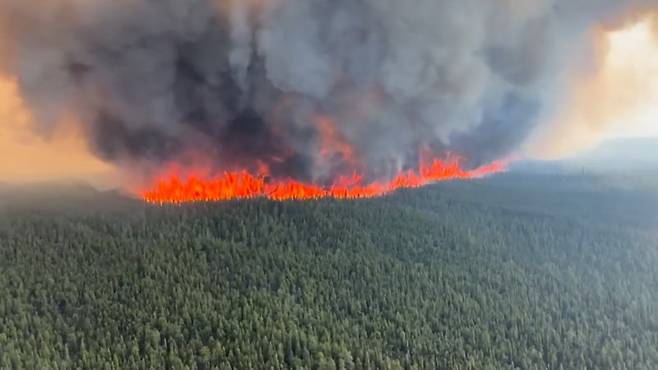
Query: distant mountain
(61, 196)
(627, 156)
(623, 153)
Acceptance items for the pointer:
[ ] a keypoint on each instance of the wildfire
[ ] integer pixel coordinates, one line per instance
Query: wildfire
(173, 188)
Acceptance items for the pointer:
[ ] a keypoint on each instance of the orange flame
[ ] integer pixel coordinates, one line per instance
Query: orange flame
(175, 189)
(332, 141)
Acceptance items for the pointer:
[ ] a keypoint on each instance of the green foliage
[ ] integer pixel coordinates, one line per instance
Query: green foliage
(419, 280)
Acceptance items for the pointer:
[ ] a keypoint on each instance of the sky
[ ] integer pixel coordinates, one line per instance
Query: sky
(616, 97)
(26, 156)
(633, 59)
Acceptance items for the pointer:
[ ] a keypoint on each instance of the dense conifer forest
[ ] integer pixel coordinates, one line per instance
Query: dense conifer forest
(514, 272)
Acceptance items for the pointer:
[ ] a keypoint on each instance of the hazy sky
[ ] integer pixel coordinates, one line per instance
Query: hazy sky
(29, 157)
(633, 59)
(615, 97)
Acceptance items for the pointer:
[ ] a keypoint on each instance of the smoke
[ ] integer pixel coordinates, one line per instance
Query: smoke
(290, 84)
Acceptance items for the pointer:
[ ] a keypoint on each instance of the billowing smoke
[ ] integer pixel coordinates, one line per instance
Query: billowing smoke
(309, 88)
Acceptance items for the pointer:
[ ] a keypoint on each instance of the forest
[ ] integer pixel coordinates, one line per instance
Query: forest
(520, 271)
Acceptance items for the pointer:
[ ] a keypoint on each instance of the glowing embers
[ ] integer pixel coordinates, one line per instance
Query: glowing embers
(173, 188)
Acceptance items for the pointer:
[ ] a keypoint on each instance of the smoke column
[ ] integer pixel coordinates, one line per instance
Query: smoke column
(309, 89)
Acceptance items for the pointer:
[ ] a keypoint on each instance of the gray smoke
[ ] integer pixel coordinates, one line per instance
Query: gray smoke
(244, 82)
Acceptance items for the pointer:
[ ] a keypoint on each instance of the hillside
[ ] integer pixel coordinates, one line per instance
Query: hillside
(518, 271)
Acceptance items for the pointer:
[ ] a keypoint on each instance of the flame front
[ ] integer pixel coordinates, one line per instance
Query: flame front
(173, 188)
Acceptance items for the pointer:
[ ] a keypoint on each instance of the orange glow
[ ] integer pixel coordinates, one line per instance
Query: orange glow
(26, 156)
(618, 98)
(174, 188)
(332, 141)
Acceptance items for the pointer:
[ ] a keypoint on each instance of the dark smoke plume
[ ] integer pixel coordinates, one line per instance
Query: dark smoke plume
(243, 82)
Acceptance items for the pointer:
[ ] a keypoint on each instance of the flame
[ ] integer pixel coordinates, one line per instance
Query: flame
(174, 188)
(332, 141)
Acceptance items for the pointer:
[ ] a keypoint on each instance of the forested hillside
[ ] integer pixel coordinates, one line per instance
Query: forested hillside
(515, 272)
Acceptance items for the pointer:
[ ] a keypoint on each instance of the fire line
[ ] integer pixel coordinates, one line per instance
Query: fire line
(176, 189)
